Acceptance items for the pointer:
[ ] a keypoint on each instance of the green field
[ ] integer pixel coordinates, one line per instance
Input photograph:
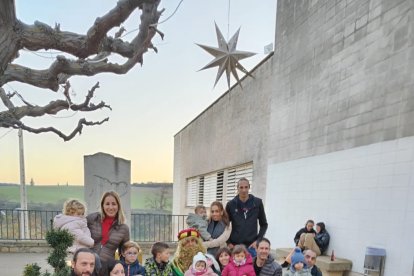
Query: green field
(56, 195)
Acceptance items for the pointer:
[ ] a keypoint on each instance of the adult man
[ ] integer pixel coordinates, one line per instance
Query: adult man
(264, 263)
(83, 262)
(244, 211)
(310, 258)
(189, 244)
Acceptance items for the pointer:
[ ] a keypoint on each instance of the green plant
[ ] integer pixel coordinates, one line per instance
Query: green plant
(59, 240)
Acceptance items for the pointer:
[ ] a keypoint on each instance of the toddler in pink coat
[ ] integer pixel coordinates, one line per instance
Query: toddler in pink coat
(200, 267)
(241, 263)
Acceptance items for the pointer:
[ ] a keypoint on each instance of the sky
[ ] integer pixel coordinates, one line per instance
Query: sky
(150, 104)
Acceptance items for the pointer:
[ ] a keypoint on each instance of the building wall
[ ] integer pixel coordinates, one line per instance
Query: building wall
(341, 126)
(232, 131)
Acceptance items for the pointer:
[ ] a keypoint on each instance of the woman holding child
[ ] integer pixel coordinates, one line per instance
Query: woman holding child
(108, 228)
(219, 228)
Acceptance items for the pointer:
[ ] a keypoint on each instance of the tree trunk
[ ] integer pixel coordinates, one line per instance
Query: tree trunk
(8, 36)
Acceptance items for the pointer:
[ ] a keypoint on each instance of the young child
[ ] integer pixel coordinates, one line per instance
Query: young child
(129, 259)
(198, 220)
(298, 265)
(241, 263)
(73, 219)
(159, 264)
(200, 267)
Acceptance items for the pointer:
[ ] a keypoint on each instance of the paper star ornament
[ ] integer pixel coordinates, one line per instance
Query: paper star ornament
(226, 57)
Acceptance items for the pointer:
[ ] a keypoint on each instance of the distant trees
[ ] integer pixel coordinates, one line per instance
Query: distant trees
(160, 200)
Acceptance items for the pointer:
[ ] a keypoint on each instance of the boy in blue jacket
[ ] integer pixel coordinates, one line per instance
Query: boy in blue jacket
(129, 260)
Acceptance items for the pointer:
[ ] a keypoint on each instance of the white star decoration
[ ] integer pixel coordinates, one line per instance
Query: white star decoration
(227, 57)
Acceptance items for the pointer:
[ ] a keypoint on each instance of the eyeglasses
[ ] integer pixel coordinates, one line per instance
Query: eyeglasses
(131, 253)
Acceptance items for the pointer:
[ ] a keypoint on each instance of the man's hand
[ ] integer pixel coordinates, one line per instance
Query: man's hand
(254, 245)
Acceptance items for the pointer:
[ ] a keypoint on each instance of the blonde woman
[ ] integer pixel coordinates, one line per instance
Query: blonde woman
(108, 228)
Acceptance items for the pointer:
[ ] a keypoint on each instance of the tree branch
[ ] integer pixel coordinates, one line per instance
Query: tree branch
(82, 122)
(42, 36)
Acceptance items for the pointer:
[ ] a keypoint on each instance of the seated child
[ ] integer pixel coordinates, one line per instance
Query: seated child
(200, 267)
(241, 263)
(298, 265)
(198, 220)
(158, 264)
(73, 219)
(129, 259)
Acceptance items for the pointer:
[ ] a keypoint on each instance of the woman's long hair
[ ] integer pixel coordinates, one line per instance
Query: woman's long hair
(224, 217)
(120, 216)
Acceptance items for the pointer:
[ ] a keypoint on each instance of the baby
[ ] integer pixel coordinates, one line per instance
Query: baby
(200, 267)
(73, 219)
(198, 220)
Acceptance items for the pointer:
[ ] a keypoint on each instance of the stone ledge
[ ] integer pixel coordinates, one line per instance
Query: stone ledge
(323, 262)
(27, 246)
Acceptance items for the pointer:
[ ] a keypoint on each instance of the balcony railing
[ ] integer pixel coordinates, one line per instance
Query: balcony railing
(20, 224)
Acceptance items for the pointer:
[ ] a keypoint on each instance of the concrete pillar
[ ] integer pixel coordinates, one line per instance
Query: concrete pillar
(104, 172)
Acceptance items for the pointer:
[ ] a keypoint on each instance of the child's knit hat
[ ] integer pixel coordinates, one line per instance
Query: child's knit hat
(199, 257)
(297, 257)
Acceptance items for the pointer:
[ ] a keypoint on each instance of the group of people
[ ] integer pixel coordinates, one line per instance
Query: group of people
(230, 242)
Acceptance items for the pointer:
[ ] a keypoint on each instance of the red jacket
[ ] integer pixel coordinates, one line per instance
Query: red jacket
(233, 270)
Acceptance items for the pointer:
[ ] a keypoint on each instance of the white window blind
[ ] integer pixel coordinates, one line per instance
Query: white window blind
(220, 187)
(210, 188)
(191, 199)
(201, 190)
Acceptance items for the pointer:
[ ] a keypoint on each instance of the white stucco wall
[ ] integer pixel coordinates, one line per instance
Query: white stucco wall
(365, 196)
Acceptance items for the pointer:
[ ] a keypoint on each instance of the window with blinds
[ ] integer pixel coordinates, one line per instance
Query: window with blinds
(214, 186)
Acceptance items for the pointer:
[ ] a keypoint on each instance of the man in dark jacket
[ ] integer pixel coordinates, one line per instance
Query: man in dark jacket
(264, 263)
(244, 211)
(310, 258)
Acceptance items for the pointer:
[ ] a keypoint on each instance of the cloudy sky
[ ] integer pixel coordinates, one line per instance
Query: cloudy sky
(150, 104)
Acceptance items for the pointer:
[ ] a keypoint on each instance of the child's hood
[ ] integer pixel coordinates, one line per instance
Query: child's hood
(61, 220)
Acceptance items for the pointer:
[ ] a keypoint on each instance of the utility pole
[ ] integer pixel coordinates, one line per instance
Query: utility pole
(23, 196)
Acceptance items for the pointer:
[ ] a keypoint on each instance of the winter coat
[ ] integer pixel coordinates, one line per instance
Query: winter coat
(303, 272)
(270, 268)
(199, 223)
(133, 269)
(191, 272)
(315, 271)
(118, 235)
(322, 240)
(151, 269)
(300, 232)
(244, 224)
(231, 269)
(219, 234)
(76, 226)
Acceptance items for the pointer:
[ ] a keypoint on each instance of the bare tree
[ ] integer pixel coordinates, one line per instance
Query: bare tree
(159, 200)
(90, 57)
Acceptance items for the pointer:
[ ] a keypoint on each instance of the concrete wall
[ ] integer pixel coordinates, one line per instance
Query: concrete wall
(105, 172)
(232, 131)
(342, 125)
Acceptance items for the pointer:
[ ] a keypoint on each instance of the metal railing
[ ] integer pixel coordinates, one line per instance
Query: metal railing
(17, 224)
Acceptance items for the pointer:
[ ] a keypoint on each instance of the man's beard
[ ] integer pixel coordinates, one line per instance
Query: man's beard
(185, 257)
(77, 273)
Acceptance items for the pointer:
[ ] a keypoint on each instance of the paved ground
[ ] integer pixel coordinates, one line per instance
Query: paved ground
(13, 263)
